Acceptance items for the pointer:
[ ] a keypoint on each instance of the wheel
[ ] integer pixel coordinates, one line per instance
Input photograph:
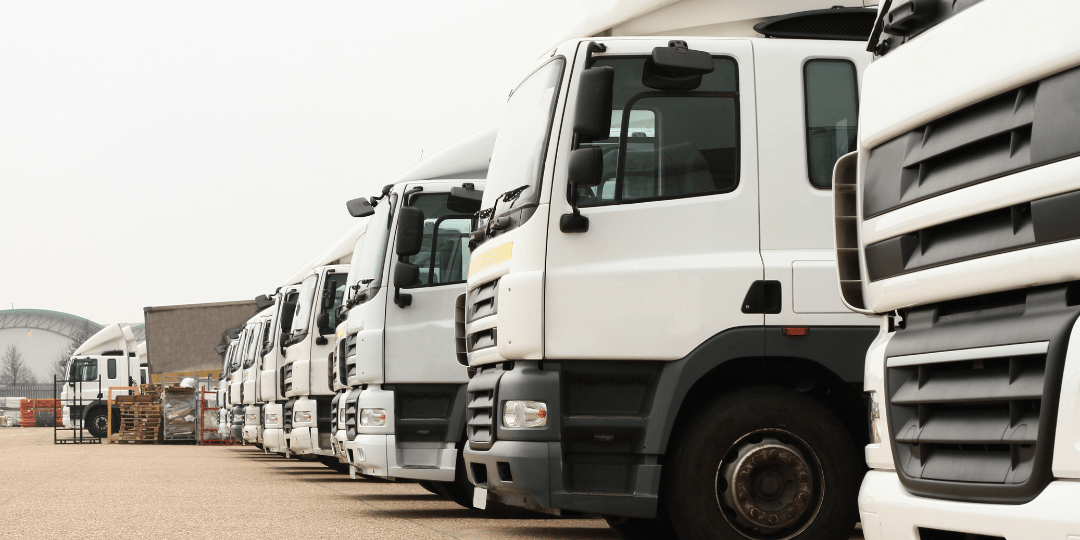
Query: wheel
(658, 528)
(763, 463)
(461, 489)
(431, 488)
(97, 423)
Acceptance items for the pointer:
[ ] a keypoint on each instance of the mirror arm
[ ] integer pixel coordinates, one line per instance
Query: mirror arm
(402, 300)
(574, 222)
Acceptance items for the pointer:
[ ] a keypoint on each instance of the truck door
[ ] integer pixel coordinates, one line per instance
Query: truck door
(417, 335)
(808, 119)
(672, 245)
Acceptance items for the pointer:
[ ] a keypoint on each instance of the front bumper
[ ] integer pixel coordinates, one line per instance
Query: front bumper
(274, 440)
(339, 445)
(381, 455)
(305, 437)
(891, 512)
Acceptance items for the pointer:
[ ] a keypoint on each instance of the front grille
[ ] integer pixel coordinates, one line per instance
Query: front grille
(460, 349)
(968, 420)
(350, 359)
(346, 349)
(334, 410)
(262, 416)
(286, 414)
(481, 413)
(1039, 222)
(483, 301)
(482, 339)
(1010, 132)
(351, 412)
(286, 376)
(972, 390)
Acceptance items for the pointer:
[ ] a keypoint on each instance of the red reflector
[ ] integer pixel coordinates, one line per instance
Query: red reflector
(795, 330)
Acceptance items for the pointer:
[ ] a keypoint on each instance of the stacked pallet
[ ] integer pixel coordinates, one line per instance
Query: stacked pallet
(140, 418)
(29, 408)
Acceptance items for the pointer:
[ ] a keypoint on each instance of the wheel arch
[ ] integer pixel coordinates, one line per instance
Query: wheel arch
(827, 366)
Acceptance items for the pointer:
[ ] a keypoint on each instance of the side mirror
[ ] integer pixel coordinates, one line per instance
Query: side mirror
(676, 67)
(592, 117)
(360, 207)
(323, 322)
(464, 200)
(221, 349)
(406, 275)
(262, 302)
(410, 233)
(586, 167)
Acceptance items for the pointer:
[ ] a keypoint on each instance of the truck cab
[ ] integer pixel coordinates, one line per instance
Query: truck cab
(235, 396)
(956, 223)
(271, 390)
(223, 389)
(305, 373)
(651, 319)
(261, 334)
(107, 359)
(403, 411)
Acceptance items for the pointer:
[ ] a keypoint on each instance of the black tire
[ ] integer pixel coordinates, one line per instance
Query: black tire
(334, 463)
(97, 423)
(461, 489)
(431, 488)
(806, 479)
(658, 528)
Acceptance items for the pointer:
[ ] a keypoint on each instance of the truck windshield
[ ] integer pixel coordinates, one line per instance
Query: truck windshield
(84, 370)
(517, 161)
(366, 265)
(303, 307)
(252, 346)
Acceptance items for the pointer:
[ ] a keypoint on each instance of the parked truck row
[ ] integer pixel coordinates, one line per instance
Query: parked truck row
(691, 273)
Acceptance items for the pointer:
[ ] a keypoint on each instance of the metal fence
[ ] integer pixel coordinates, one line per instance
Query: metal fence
(28, 391)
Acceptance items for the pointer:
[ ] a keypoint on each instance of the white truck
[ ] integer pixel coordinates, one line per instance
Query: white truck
(107, 359)
(307, 416)
(956, 222)
(223, 389)
(404, 411)
(234, 398)
(262, 325)
(270, 388)
(652, 316)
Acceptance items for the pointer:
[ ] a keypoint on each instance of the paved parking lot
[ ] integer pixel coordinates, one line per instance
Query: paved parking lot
(183, 491)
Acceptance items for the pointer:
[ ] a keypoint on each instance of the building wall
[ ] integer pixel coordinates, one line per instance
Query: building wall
(184, 337)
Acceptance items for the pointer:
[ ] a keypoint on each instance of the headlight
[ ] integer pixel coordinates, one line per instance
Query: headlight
(301, 416)
(372, 417)
(252, 418)
(272, 418)
(529, 414)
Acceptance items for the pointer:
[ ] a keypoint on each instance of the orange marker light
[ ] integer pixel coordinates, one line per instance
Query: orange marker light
(795, 331)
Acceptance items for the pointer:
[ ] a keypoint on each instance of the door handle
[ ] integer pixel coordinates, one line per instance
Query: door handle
(764, 296)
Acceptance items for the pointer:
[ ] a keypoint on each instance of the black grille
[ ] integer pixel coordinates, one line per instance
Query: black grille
(968, 420)
(483, 301)
(1007, 133)
(482, 339)
(350, 359)
(286, 376)
(262, 416)
(287, 412)
(481, 408)
(972, 391)
(334, 410)
(1030, 224)
(351, 413)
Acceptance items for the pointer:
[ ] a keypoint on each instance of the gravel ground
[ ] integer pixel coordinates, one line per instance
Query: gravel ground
(184, 491)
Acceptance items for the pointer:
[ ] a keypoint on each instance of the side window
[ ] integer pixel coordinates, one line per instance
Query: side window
(832, 116)
(667, 145)
(444, 253)
(89, 370)
(112, 368)
(334, 295)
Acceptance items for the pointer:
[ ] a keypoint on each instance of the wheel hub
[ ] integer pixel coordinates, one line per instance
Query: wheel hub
(769, 485)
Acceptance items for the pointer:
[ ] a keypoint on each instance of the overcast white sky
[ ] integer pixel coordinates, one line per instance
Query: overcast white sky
(157, 153)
